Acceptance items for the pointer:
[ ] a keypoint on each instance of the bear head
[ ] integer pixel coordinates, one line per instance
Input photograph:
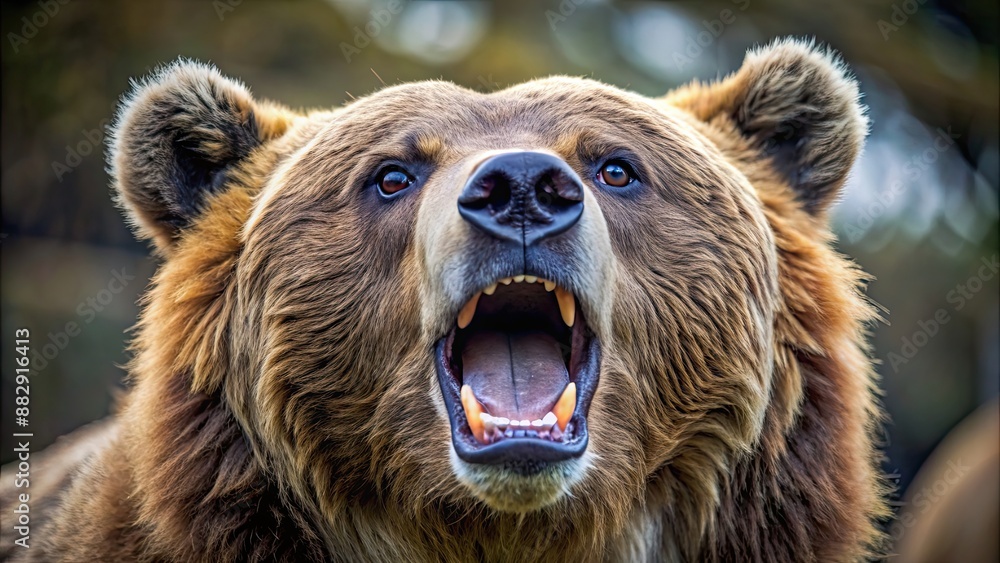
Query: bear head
(559, 303)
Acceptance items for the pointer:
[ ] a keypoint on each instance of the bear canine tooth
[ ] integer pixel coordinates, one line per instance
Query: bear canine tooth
(490, 289)
(530, 279)
(549, 419)
(467, 312)
(565, 406)
(518, 279)
(549, 285)
(472, 412)
(567, 305)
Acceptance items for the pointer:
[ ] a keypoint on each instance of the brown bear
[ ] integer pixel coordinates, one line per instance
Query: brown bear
(556, 322)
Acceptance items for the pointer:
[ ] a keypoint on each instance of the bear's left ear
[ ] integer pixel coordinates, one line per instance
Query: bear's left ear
(798, 105)
(176, 137)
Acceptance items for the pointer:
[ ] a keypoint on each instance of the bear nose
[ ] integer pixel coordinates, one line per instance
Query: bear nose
(522, 196)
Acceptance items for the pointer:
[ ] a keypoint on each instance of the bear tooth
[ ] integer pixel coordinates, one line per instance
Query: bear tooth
(565, 406)
(549, 285)
(525, 423)
(488, 424)
(567, 306)
(518, 279)
(549, 419)
(472, 412)
(537, 424)
(467, 312)
(490, 289)
(506, 281)
(501, 423)
(530, 279)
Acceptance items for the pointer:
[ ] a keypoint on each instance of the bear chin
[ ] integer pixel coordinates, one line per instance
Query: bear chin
(507, 489)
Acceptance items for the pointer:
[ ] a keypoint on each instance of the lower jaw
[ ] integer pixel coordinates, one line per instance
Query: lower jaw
(510, 491)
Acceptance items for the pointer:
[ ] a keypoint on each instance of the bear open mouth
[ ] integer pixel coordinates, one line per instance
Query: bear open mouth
(518, 373)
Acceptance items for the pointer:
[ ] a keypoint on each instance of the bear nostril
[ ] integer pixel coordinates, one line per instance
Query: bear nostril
(499, 192)
(545, 191)
(492, 191)
(554, 191)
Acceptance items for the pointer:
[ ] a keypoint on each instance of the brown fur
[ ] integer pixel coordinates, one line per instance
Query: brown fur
(284, 404)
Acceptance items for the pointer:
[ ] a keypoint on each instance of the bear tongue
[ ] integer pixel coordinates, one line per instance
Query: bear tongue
(518, 375)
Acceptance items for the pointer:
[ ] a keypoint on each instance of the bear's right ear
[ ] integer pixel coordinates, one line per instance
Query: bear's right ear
(176, 136)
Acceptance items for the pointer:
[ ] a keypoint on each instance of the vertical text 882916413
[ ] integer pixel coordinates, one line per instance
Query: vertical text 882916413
(22, 518)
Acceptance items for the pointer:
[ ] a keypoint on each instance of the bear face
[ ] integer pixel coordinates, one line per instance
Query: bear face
(326, 252)
(559, 301)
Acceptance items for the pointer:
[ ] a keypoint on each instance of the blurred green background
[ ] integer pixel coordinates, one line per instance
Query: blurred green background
(920, 213)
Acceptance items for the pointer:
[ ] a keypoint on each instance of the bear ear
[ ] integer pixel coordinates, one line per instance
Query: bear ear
(176, 136)
(799, 106)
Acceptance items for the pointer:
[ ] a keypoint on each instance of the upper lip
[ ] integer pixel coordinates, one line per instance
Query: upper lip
(570, 436)
(567, 302)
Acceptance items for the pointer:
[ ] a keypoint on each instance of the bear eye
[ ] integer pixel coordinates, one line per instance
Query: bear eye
(616, 173)
(393, 180)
